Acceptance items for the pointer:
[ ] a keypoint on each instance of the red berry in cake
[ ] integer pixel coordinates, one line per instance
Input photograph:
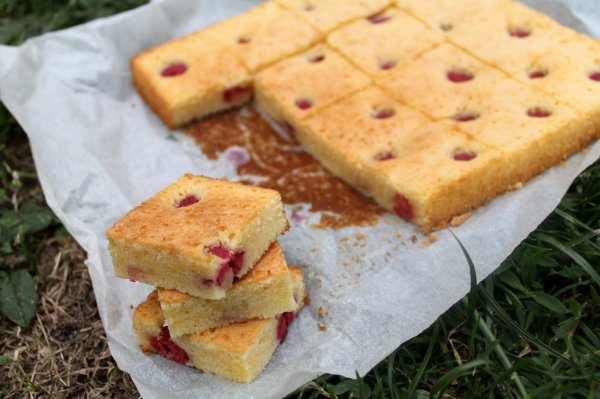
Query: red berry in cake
(519, 33)
(378, 18)
(283, 322)
(538, 112)
(385, 156)
(174, 69)
(187, 201)
(463, 155)
(459, 76)
(403, 208)
(135, 274)
(466, 116)
(235, 259)
(164, 345)
(387, 65)
(304, 103)
(595, 76)
(236, 94)
(383, 113)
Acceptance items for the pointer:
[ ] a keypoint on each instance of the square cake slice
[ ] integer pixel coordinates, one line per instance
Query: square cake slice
(265, 291)
(196, 235)
(238, 352)
(264, 35)
(326, 15)
(300, 86)
(189, 78)
(438, 82)
(570, 73)
(510, 38)
(531, 128)
(447, 16)
(379, 43)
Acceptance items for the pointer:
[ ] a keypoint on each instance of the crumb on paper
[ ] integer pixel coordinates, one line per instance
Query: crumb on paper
(431, 238)
(360, 236)
(344, 238)
(398, 234)
(517, 186)
(307, 300)
(460, 219)
(321, 312)
(321, 327)
(130, 306)
(414, 239)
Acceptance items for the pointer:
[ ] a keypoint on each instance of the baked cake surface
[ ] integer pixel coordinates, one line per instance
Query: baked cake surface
(380, 43)
(189, 78)
(326, 15)
(512, 37)
(265, 291)
(302, 85)
(196, 235)
(438, 82)
(238, 352)
(264, 35)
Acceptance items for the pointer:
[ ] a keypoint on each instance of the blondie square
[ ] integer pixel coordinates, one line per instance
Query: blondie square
(384, 41)
(438, 82)
(531, 128)
(265, 291)
(196, 235)
(571, 73)
(238, 352)
(302, 85)
(264, 35)
(510, 38)
(189, 78)
(447, 16)
(326, 15)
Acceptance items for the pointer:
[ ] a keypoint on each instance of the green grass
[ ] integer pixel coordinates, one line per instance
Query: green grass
(532, 329)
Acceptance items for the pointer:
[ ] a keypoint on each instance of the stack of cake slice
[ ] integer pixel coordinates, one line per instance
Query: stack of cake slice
(224, 296)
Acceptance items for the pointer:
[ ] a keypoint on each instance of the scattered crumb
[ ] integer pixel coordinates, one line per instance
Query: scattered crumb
(360, 236)
(344, 238)
(398, 234)
(307, 300)
(414, 239)
(517, 186)
(460, 219)
(321, 312)
(321, 327)
(431, 238)
(130, 306)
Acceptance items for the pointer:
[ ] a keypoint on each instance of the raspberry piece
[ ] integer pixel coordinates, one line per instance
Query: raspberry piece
(237, 156)
(403, 208)
(466, 116)
(519, 33)
(233, 261)
(164, 345)
(283, 321)
(463, 155)
(291, 130)
(174, 69)
(135, 274)
(187, 201)
(378, 18)
(236, 94)
(459, 76)
(383, 113)
(385, 156)
(538, 74)
(595, 76)
(304, 103)
(387, 65)
(316, 58)
(538, 112)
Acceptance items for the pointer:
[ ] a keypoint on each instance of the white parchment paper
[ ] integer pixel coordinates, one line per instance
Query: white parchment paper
(99, 151)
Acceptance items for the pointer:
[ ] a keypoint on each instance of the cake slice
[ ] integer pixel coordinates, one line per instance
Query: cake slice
(570, 73)
(379, 43)
(531, 128)
(265, 291)
(238, 352)
(438, 82)
(264, 35)
(196, 235)
(510, 38)
(448, 16)
(327, 15)
(189, 78)
(300, 86)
